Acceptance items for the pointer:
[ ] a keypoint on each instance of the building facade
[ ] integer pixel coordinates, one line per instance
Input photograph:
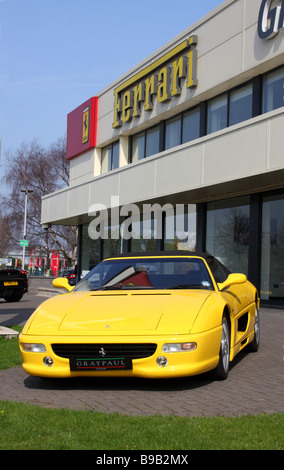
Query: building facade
(185, 151)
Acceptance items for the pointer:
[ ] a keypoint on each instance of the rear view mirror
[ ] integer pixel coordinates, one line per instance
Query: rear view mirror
(232, 279)
(62, 283)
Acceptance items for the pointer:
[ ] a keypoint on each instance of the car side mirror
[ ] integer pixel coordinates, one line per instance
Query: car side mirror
(232, 279)
(62, 283)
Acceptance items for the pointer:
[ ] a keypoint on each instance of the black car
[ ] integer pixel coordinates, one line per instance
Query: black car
(13, 284)
(71, 276)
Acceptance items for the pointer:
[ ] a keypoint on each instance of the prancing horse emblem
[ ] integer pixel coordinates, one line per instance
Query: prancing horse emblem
(102, 352)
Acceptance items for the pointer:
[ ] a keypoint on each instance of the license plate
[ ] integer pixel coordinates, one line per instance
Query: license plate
(100, 364)
(10, 283)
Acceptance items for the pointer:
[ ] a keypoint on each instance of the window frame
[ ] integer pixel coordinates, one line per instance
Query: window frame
(264, 78)
(257, 108)
(109, 154)
(144, 134)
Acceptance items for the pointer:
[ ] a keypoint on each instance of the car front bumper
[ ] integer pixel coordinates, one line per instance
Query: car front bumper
(178, 364)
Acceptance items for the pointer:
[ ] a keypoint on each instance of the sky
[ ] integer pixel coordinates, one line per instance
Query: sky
(56, 54)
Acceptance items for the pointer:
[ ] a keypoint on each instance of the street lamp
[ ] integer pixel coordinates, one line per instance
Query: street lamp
(26, 191)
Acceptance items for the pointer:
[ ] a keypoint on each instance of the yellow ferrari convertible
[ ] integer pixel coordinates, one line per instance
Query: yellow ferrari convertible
(146, 315)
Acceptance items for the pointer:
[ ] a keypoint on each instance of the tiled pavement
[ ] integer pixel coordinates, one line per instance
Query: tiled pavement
(254, 386)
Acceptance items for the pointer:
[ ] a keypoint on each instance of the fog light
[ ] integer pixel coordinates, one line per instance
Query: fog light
(162, 361)
(48, 362)
(33, 347)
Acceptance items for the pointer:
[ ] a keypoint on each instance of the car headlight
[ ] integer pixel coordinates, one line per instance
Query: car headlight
(33, 347)
(179, 347)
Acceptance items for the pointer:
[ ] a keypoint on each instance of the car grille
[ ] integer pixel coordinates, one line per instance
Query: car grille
(134, 351)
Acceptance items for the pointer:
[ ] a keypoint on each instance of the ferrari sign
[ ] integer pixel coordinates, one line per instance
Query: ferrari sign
(85, 133)
(82, 128)
(161, 81)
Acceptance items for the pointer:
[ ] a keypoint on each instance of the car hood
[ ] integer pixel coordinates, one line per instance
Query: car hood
(118, 313)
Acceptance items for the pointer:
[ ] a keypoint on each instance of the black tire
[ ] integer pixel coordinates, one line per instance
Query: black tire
(14, 297)
(222, 370)
(254, 345)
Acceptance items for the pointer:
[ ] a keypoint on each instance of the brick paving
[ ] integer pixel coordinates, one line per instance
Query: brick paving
(254, 386)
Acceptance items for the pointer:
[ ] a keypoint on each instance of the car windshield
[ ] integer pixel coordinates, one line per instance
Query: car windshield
(147, 273)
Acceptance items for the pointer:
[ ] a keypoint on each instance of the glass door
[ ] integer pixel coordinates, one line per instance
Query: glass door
(272, 248)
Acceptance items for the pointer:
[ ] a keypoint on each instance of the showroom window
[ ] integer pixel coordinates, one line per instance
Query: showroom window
(273, 90)
(272, 248)
(143, 236)
(180, 229)
(90, 251)
(227, 232)
(112, 243)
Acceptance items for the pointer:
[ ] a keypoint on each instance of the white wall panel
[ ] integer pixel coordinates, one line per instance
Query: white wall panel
(236, 153)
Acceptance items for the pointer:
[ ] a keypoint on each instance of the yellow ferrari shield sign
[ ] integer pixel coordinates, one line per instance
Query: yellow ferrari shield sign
(85, 134)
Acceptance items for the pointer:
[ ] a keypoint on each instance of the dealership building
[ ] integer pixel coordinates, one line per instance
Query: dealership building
(185, 150)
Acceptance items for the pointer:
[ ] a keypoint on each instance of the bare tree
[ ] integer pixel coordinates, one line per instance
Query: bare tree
(43, 171)
(5, 235)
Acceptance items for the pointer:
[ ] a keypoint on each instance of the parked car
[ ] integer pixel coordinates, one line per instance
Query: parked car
(155, 316)
(13, 284)
(71, 276)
